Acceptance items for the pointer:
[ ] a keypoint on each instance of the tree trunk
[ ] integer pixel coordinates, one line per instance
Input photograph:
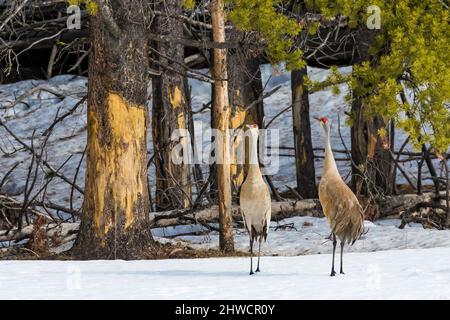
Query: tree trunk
(393, 173)
(447, 190)
(196, 168)
(173, 187)
(244, 87)
(371, 159)
(431, 168)
(372, 163)
(304, 155)
(212, 167)
(114, 222)
(221, 119)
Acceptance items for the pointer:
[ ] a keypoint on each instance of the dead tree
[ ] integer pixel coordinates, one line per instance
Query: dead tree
(221, 120)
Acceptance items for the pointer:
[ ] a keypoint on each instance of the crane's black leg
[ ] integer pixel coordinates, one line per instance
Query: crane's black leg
(259, 254)
(333, 273)
(251, 255)
(342, 258)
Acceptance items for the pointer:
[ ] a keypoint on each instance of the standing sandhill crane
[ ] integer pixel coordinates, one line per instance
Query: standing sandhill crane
(339, 203)
(255, 199)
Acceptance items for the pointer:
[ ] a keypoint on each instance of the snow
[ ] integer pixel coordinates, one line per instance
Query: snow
(296, 261)
(396, 274)
(310, 237)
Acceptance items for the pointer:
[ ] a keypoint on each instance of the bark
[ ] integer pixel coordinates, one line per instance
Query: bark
(244, 87)
(393, 172)
(114, 222)
(212, 168)
(371, 161)
(221, 119)
(196, 168)
(372, 164)
(173, 188)
(447, 191)
(304, 155)
(431, 168)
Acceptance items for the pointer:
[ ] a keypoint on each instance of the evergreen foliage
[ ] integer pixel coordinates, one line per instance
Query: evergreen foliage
(412, 51)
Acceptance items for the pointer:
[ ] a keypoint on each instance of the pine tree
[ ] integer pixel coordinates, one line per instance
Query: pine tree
(412, 48)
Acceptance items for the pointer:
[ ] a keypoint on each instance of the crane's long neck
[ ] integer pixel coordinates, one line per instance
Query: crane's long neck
(254, 172)
(329, 165)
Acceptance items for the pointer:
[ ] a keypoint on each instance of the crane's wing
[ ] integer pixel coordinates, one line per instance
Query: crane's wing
(342, 209)
(256, 209)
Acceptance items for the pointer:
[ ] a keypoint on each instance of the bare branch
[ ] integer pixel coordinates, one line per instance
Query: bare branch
(12, 15)
(107, 15)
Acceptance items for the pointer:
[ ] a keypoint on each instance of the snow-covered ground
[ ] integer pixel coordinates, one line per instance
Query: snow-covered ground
(375, 266)
(301, 236)
(399, 274)
(295, 265)
(310, 237)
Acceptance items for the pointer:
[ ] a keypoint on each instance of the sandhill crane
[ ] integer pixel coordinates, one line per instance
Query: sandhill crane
(255, 199)
(339, 203)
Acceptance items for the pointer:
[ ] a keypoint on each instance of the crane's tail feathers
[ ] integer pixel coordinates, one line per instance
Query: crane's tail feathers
(258, 235)
(243, 219)
(264, 233)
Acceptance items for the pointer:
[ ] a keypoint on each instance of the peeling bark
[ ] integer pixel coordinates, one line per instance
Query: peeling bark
(244, 87)
(173, 185)
(114, 221)
(372, 164)
(221, 121)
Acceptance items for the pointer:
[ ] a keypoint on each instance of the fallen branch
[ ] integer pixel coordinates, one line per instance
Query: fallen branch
(280, 210)
(395, 205)
(431, 217)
